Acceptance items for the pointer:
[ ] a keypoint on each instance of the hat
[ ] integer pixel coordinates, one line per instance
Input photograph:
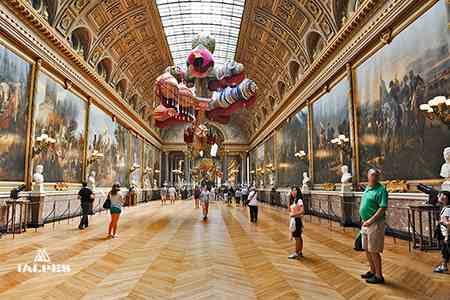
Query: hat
(374, 171)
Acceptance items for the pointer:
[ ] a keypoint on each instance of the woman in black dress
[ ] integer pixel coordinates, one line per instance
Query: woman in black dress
(296, 211)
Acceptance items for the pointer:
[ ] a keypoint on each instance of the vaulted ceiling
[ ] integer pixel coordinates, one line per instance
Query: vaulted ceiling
(124, 40)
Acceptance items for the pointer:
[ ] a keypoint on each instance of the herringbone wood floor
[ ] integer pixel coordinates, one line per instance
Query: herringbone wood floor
(169, 253)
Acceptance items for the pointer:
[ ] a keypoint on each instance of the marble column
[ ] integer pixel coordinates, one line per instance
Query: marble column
(187, 171)
(167, 170)
(225, 168)
(243, 168)
(171, 167)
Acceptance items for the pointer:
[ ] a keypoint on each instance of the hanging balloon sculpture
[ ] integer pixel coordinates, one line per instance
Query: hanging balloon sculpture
(202, 91)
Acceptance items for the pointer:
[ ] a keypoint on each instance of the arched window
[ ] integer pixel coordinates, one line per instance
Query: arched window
(294, 69)
(272, 101)
(121, 87)
(264, 111)
(104, 68)
(343, 9)
(134, 101)
(281, 89)
(46, 8)
(314, 43)
(81, 41)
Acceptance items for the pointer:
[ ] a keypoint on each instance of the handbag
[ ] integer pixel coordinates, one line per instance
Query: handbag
(292, 225)
(358, 242)
(107, 203)
(438, 233)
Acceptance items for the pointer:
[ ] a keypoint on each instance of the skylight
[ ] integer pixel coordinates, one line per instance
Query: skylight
(183, 19)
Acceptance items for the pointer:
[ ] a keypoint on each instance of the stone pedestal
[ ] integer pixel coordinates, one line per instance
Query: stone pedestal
(307, 204)
(305, 188)
(348, 202)
(132, 198)
(36, 209)
(346, 187)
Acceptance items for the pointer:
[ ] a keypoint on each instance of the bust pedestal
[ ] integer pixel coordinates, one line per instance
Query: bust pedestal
(346, 187)
(37, 208)
(305, 188)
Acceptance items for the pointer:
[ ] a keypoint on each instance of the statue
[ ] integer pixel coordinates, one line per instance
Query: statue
(219, 90)
(346, 179)
(346, 175)
(91, 181)
(38, 178)
(445, 170)
(306, 182)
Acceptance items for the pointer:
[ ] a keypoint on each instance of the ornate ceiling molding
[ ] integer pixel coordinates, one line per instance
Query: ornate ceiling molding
(363, 28)
(45, 43)
(273, 34)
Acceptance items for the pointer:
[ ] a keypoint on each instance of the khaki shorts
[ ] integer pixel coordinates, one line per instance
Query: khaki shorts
(373, 237)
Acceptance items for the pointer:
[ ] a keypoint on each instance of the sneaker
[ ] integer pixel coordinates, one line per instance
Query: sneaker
(294, 255)
(367, 275)
(440, 269)
(375, 280)
(300, 255)
(115, 236)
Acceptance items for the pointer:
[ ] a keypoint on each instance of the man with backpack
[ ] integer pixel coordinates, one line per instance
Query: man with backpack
(86, 197)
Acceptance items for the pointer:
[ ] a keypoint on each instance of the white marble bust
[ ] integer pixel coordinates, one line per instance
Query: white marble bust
(306, 179)
(91, 181)
(346, 175)
(445, 170)
(306, 182)
(38, 178)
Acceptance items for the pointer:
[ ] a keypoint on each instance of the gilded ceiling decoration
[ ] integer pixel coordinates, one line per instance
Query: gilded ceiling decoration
(120, 39)
(125, 41)
(278, 42)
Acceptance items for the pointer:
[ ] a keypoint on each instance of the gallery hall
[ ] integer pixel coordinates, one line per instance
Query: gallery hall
(225, 149)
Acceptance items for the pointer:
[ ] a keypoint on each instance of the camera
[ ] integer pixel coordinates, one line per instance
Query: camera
(431, 192)
(14, 194)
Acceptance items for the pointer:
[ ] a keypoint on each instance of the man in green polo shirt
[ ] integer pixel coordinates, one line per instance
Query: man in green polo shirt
(372, 211)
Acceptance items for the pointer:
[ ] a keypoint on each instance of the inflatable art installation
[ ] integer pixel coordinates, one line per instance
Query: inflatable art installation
(202, 91)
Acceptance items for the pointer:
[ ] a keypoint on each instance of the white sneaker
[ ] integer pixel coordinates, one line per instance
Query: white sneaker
(441, 269)
(115, 236)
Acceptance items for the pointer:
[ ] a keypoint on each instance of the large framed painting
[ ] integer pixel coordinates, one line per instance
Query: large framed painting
(234, 169)
(394, 135)
(292, 138)
(60, 114)
(260, 168)
(331, 120)
(136, 160)
(148, 166)
(123, 140)
(102, 138)
(269, 178)
(15, 76)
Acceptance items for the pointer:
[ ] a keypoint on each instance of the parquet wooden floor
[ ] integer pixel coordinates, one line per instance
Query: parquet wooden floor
(170, 253)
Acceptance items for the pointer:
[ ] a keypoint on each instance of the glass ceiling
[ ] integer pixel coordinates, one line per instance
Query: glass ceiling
(183, 19)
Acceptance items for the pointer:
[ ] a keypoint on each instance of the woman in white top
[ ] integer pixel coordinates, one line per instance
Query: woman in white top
(444, 222)
(116, 209)
(204, 196)
(253, 205)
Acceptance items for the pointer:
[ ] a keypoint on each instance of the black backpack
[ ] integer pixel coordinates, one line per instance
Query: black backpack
(358, 242)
